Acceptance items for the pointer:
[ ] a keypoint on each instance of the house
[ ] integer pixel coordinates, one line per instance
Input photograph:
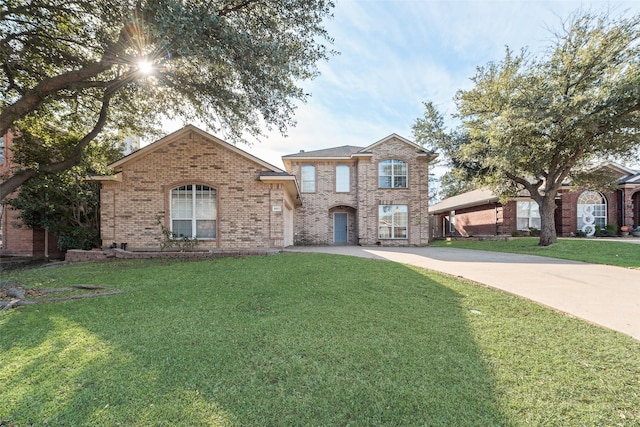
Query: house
(479, 212)
(15, 238)
(197, 186)
(374, 195)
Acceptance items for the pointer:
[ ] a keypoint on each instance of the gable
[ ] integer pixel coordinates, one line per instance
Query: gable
(187, 133)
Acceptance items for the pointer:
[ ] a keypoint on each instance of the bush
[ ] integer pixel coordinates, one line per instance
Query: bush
(581, 233)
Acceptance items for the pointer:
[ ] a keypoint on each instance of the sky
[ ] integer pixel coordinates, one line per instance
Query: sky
(397, 54)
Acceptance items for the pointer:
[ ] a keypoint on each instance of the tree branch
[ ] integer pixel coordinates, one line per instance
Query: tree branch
(20, 177)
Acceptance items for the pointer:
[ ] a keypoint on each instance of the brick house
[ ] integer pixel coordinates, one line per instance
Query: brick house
(363, 195)
(15, 238)
(479, 212)
(197, 186)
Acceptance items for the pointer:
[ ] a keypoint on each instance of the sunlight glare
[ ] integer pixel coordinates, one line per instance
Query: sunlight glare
(145, 67)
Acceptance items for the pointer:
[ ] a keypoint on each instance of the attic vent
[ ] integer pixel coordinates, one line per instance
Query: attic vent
(302, 151)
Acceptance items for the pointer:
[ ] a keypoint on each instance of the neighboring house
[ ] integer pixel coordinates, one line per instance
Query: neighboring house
(375, 195)
(197, 186)
(15, 238)
(479, 212)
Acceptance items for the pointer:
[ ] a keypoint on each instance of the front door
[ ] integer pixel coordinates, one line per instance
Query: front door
(340, 228)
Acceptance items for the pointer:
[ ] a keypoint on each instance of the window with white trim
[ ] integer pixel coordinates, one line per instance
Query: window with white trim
(392, 221)
(528, 215)
(308, 179)
(193, 211)
(592, 211)
(1, 150)
(343, 184)
(392, 174)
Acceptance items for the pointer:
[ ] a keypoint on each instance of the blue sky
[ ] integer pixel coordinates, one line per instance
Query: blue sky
(397, 54)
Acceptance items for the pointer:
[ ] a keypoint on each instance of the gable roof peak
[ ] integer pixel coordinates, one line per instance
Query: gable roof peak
(183, 132)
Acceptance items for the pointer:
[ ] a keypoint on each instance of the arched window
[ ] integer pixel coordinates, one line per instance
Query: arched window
(392, 174)
(592, 211)
(193, 211)
(308, 179)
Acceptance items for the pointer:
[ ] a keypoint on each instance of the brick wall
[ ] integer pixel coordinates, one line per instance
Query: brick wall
(314, 220)
(18, 240)
(483, 220)
(245, 219)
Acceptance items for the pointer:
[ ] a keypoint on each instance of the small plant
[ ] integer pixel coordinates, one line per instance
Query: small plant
(581, 233)
(534, 232)
(171, 239)
(515, 234)
(611, 230)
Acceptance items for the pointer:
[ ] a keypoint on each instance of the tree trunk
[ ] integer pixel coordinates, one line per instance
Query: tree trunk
(547, 208)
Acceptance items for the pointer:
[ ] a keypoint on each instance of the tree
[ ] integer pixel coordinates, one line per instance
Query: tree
(534, 123)
(99, 67)
(430, 131)
(66, 204)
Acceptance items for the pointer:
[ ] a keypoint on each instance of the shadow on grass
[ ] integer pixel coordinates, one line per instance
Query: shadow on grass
(288, 340)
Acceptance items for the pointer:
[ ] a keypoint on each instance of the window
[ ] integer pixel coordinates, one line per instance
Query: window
(342, 179)
(528, 215)
(308, 179)
(592, 211)
(193, 212)
(392, 174)
(452, 222)
(1, 150)
(392, 221)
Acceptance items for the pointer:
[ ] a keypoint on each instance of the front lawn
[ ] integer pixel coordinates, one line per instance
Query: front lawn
(303, 339)
(588, 250)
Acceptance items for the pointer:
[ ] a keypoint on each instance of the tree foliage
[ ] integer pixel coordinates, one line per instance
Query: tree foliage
(82, 66)
(65, 203)
(534, 122)
(430, 131)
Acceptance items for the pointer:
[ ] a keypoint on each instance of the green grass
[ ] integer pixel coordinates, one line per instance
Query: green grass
(304, 339)
(588, 250)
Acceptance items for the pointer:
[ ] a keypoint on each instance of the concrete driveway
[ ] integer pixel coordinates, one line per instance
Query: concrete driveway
(604, 295)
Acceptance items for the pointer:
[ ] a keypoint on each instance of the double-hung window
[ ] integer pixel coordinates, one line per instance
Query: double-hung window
(528, 215)
(193, 211)
(392, 174)
(342, 179)
(392, 221)
(308, 179)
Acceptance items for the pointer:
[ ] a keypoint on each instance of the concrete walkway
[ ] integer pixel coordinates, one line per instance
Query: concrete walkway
(604, 295)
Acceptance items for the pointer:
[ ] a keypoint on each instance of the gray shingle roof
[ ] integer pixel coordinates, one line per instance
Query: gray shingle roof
(344, 151)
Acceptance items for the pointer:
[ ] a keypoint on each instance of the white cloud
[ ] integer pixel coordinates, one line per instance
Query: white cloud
(395, 54)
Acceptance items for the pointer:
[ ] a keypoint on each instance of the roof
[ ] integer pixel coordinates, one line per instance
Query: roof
(348, 151)
(345, 151)
(182, 132)
(632, 179)
(465, 200)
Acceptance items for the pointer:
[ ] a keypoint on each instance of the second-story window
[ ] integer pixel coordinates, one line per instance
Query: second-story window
(308, 179)
(343, 184)
(392, 174)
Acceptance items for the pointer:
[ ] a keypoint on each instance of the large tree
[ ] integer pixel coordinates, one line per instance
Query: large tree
(65, 203)
(534, 122)
(431, 132)
(102, 67)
